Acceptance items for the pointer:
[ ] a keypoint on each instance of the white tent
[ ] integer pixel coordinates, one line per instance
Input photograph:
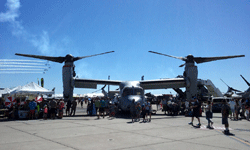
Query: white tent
(4, 91)
(30, 89)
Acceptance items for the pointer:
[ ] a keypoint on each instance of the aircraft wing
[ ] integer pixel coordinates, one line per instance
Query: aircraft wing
(92, 83)
(163, 83)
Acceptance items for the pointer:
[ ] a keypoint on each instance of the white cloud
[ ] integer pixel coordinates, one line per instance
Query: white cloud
(12, 11)
(40, 41)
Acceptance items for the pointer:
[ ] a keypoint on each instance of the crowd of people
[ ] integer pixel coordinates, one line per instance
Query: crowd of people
(101, 107)
(232, 109)
(31, 109)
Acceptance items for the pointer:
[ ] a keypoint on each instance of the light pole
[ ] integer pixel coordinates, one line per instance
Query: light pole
(108, 85)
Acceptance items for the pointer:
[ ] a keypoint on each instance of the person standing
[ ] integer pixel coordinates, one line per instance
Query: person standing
(45, 112)
(101, 109)
(148, 110)
(237, 109)
(82, 103)
(232, 106)
(247, 108)
(133, 110)
(68, 106)
(53, 106)
(164, 103)
(138, 111)
(32, 106)
(196, 111)
(97, 104)
(225, 113)
(61, 106)
(73, 109)
(209, 115)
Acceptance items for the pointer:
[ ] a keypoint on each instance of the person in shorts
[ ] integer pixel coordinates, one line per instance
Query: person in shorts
(138, 111)
(209, 114)
(148, 108)
(225, 113)
(196, 111)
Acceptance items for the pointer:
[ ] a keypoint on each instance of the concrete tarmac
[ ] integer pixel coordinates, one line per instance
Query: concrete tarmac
(88, 132)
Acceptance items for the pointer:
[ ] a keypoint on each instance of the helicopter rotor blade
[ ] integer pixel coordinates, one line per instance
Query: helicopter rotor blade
(78, 58)
(182, 65)
(199, 60)
(224, 82)
(245, 80)
(230, 88)
(235, 90)
(54, 59)
(181, 58)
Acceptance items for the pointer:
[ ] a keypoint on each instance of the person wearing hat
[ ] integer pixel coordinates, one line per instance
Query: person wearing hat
(196, 111)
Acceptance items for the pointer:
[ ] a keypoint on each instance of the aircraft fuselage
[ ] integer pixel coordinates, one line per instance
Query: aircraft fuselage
(129, 91)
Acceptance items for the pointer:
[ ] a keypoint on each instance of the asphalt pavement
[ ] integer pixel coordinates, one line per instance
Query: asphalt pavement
(88, 132)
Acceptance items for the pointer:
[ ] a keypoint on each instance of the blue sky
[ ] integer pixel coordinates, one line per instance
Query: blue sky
(131, 29)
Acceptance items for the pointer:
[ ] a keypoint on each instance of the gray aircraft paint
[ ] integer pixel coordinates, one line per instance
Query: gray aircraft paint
(69, 82)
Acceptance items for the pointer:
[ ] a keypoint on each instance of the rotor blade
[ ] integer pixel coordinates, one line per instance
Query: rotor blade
(235, 90)
(199, 60)
(245, 80)
(181, 58)
(229, 90)
(224, 83)
(54, 59)
(182, 65)
(78, 58)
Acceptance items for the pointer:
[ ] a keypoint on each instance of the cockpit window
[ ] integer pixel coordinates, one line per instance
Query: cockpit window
(132, 91)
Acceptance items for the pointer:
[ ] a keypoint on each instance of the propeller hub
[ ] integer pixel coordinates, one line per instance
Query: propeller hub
(69, 58)
(190, 58)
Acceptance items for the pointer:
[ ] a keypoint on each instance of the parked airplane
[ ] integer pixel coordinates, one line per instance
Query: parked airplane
(230, 90)
(240, 94)
(130, 90)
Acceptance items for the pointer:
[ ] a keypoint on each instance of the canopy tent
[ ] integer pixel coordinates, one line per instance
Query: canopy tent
(4, 91)
(30, 89)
